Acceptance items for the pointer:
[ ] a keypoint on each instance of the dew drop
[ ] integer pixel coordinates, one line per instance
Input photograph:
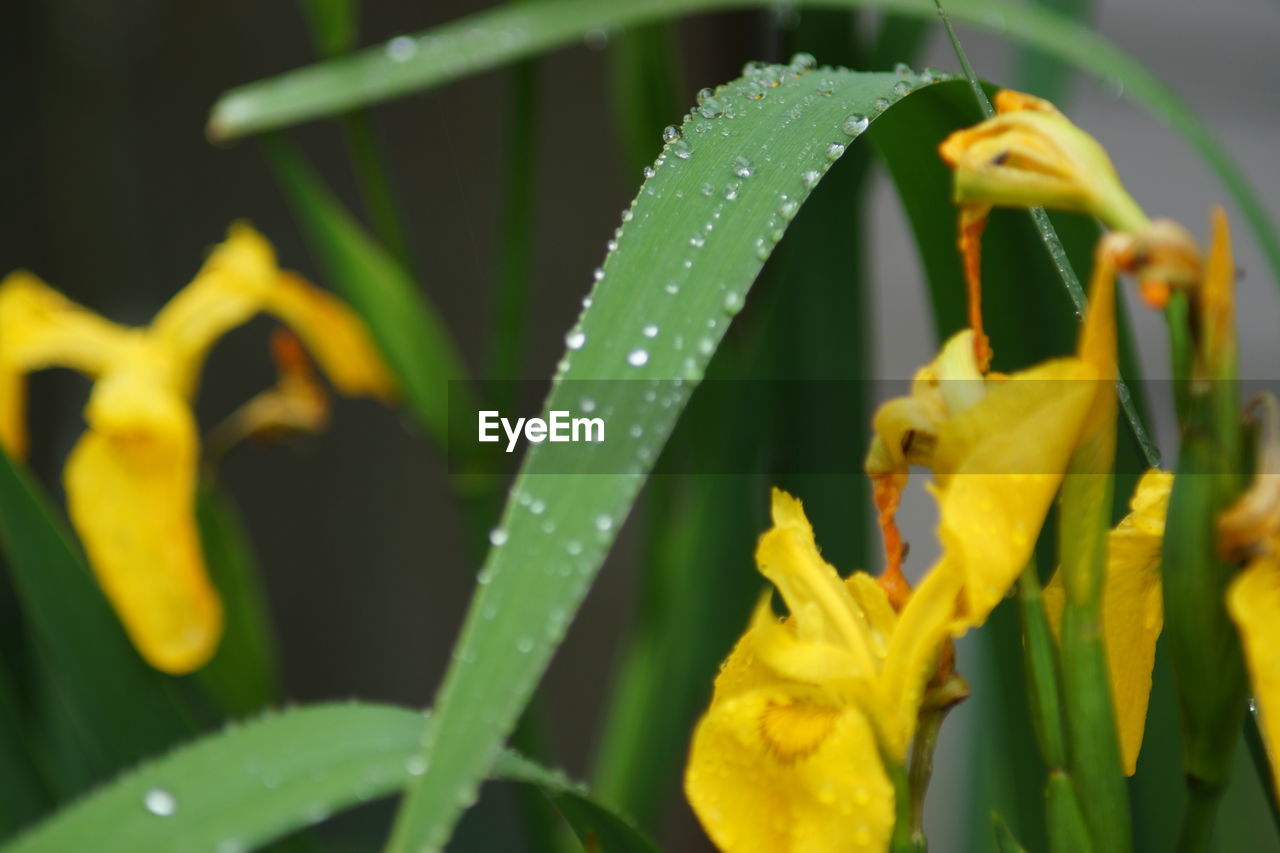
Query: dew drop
(649, 171)
(881, 104)
(902, 87)
(160, 802)
(497, 537)
(810, 178)
(415, 765)
(575, 339)
(902, 69)
(401, 49)
(604, 522)
(834, 151)
(636, 431)
(707, 190)
(597, 274)
(574, 547)
(704, 95)
(524, 645)
(672, 288)
(587, 405)
(743, 167)
(854, 124)
(706, 346)
(670, 133)
(638, 357)
(697, 241)
(731, 191)
(803, 61)
(681, 149)
(650, 331)
(733, 302)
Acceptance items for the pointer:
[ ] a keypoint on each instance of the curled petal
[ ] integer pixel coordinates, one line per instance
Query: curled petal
(131, 497)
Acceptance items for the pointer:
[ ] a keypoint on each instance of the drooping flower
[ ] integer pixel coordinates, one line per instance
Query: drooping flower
(131, 479)
(998, 447)
(1132, 607)
(1027, 155)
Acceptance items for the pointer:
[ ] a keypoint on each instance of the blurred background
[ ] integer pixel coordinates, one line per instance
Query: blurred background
(113, 196)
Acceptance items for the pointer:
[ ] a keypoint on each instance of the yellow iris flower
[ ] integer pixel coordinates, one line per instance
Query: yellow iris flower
(791, 754)
(811, 715)
(1132, 607)
(131, 479)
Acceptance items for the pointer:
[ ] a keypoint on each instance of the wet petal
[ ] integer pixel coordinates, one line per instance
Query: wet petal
(778, 768)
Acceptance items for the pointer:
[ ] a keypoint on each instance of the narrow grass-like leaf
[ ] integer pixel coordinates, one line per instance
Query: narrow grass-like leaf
(256, 782)
(120, 708)
(412, 336)
(24, 793)
(242, 677)
(495, 37)
(690, 248)
(332, 23)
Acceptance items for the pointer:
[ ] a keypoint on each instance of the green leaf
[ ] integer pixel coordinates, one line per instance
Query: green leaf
(24, 793)
(118, 707)
(242, 675)
(333, 25)
(411, 334)
(690, 248)
(501, 35)
(255, 782)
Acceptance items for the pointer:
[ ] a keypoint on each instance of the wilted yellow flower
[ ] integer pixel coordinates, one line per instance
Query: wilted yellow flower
(791, 754)
(1132, 607)
(131, 479)
(1029, 154)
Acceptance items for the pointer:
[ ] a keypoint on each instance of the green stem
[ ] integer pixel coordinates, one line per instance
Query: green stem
(905, 839)
(1197, 822)
(1042, 669)
(375, 186)
(515, 271)
(920, 770)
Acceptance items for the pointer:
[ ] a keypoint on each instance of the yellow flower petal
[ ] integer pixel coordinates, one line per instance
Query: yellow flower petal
(1253, 600)
(334, 335)
(922, 629)
(230, 288)
(999, 465)
(40, 328)
(240, 279)
(131, 497)
(816, 597)
(1132, 608)
(776, 767)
